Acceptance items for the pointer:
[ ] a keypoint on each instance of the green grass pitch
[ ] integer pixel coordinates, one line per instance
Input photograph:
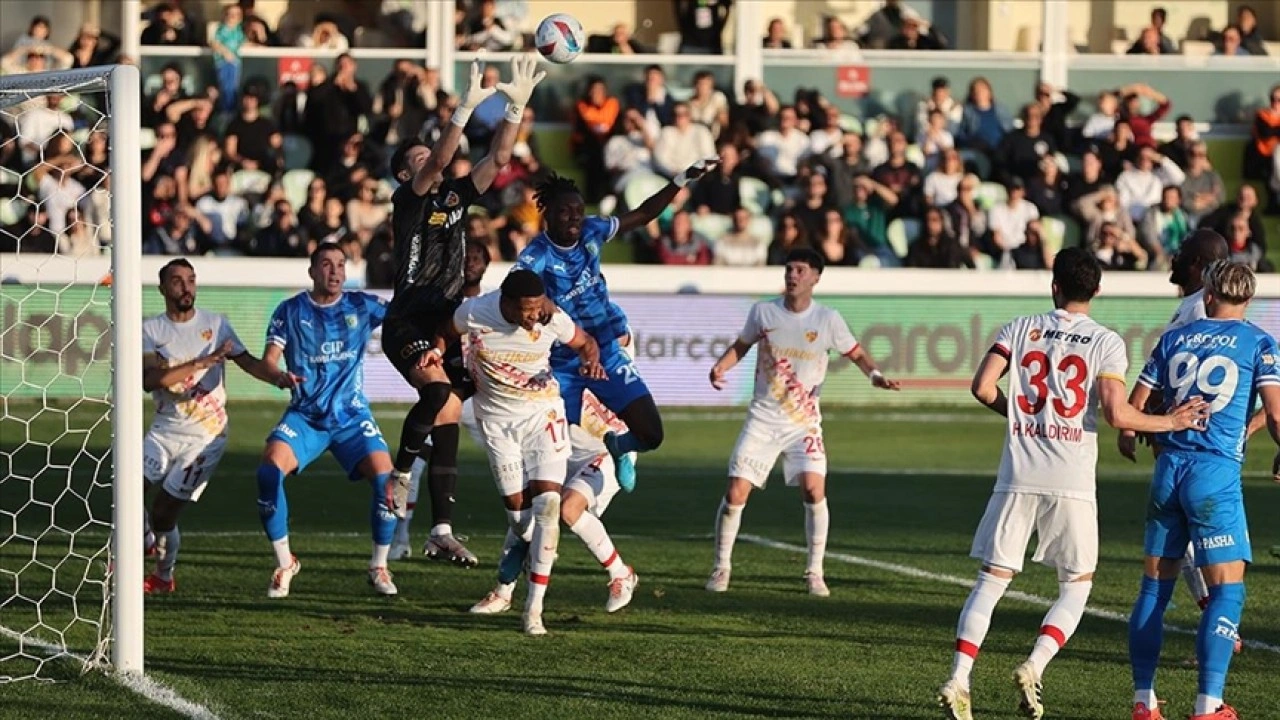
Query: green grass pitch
(906, 490)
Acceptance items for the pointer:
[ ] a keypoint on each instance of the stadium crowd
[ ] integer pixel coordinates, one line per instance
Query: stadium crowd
(241, 167)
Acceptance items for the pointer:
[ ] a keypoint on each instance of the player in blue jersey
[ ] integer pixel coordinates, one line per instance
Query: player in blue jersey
(567, 258)
(1196, 492)
(322, 336)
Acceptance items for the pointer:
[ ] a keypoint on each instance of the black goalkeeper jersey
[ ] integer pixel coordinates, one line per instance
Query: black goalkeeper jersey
(430, 245)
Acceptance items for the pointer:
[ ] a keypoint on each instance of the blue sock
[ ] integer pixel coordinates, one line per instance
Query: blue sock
(381, 518)
(1216, 641)
(628, 442)
(273, 508)
(1146, 630)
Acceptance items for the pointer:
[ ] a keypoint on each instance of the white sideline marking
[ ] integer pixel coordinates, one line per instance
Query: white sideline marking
(965, 582)
(144, 685)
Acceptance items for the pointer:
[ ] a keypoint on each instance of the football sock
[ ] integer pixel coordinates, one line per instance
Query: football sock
(975, 619)
(728, 520)
(1193, 578)
(167, 544)
(1060, 622)
(1146, 631)
(273, 508)
(816, 521)
(628, 442)
(442, 476)
(521, 522)
(1216, 641)
(379, 557)
(511, 562)
(415, 483)
(546, 538)
(382, 521)
(284, 556)
(591, 530)
(419, 422)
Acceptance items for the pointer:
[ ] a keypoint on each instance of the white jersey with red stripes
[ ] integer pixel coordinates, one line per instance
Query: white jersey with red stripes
(1055, 362)
(791, 359)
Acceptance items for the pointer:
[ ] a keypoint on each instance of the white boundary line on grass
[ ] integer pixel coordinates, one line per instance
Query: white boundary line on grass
(915, 572)
(144, 685)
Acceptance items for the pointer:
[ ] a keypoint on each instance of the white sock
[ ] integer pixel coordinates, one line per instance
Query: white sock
(1060, 622)
(506, 590)
(591, 530)
(521, 523)
(1207, 704)
(168, 544)
(1146, 697)
(1194, 580)
(148, 537)
(975, 620)
(441, 529)
(379, 558)
(728, 520)
(817, 519)
(284, 557)
(542, 552)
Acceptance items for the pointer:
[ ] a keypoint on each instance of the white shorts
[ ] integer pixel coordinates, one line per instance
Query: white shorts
(598, 483)
(760, 442)
(183, 464)
(1066, 530)
(532, 447)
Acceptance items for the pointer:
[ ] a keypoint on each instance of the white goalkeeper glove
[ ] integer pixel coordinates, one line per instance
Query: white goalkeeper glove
(524, 78)
(695, 171)
(473, 95)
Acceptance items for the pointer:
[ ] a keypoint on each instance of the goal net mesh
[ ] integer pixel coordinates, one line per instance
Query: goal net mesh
(55, 375)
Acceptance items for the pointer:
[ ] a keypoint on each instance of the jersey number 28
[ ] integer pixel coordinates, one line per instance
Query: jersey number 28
(1188, 373)
(1039, 366)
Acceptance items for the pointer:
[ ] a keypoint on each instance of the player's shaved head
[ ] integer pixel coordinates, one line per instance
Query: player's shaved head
(1198, 251)
(1076, 275)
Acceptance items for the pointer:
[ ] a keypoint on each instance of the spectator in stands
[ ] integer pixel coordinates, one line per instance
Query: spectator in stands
(93, 47)
(1020, 151)
(968, 219)
(97, 159)
(935, 140)
(812, 208)
(163, 28)
(838, 243)
(58, 190)
(480, 231)
(77, 238)
(37, 34)
(702, 24)
(882, 26)
(1119, 149)
(365, 212)
(1203, 191)
(1032, 254)
(1131, 110)
(380, 261)
(629, 154)
(784, 148)
(488, 115)
(1102, 207)
(332, 227)
(311, 216)
(40, 122)
(171, 90)
(1162, 44)
(868, 214)
(717, 192)
(1179, 148)
(775, 38)
(682, 144)
(788, 235)
(325, 35)
(758, 108)
(984, 122)
(1164, 225)
(936, 246)
(1230, 44)
(708, 105)
(901, 176)
(162, 160)
(681, 244)
(1261, 161)
(915, 34)
(257, 32)
(487, 31)
(595, 115)
(1048, 190)
(1140, 186)
(181, 234)
(940, 99)
(523, 223)
(226, 42)
(283, 237)
(835, 36)
(35, 58)
(1101, 123)
(738, 247)
(333, 113)
(1056, 106)
(252, 141)
(829, 139)
(651, 98)
(942, 186)
(842, 170)
(407, 97)
(1240, 241)
(227, 213)
(1246, 204)
(1250, 37)
(1008, 221)
(195, 177)
(619, 42)
(1117, 249)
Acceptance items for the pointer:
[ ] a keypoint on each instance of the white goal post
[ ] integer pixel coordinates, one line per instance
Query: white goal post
(114, 567)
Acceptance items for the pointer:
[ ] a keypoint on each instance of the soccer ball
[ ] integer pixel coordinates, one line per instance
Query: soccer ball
(560, 38)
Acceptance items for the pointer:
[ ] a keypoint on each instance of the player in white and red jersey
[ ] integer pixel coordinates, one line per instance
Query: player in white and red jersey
(1062, 367)
(183, 350)
(795, 334)
(520, 414)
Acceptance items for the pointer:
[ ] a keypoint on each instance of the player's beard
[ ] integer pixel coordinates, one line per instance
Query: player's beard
(184, 303)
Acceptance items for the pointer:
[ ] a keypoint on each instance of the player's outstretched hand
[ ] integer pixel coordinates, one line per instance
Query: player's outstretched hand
(1191, 415)
(1127, 444)
(525, 76)
(430, 359)
(885, 383)
(717, 377)
(594, 371)
(288, 381)
(217, 357)
(475, 92)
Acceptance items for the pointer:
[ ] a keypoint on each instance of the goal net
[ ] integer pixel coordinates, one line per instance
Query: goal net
(70, 392)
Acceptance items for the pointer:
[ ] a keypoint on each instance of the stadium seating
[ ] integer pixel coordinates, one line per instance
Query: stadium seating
(295, 183)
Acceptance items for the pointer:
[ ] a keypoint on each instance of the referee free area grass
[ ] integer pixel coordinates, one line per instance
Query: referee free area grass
(906, 488)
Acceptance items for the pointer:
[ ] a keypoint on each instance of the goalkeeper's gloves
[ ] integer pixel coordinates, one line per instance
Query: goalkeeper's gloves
(473, 95)
(695, 171)
(524, 78)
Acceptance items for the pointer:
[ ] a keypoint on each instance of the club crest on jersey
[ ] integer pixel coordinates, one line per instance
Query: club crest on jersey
(352, 321)
(451, 199)
(206, 334)
(1035, 334)
(534, 334)
(810, 335)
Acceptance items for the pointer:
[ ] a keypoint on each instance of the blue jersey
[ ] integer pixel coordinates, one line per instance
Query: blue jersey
(325, 345)
(1223, 361)
(573, 281)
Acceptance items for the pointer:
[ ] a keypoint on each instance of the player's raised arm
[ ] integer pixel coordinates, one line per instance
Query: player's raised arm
(650, 209)
(524, 78)
(156, 376)
(986, 381)
(431, 172)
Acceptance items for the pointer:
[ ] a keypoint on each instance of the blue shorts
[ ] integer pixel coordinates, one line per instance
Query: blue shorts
(1197, 498)
(623, 387)
(357, 439)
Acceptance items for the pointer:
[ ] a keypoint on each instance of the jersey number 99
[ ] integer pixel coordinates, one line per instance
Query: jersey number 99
(1187, 373)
